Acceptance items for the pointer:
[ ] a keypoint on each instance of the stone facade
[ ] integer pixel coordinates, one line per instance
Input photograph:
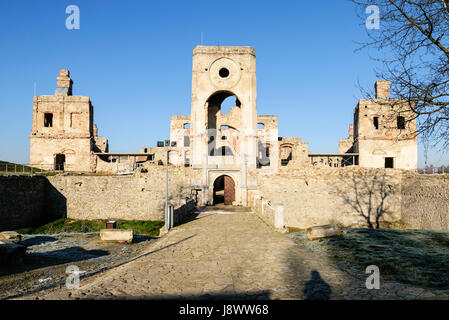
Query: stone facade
(384, 132)
(323, 195)
(63, 135)
(425, 201)
(137, 197)
(312, 197)
(233, 143)
(352, 196)
(27, 201)
(211, 145)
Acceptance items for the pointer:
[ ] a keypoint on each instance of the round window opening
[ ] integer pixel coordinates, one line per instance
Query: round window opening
(224, 73)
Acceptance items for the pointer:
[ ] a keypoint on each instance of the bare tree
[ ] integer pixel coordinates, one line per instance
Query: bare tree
(412, 47)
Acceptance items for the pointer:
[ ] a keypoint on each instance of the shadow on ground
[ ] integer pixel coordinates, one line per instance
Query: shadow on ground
(302, 278)
(38, 260)
(255, 295)
(316, 288)
(138, 238)
(37, 240)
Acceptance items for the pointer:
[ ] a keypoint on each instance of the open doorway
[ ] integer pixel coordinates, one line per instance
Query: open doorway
(224, 190)
(60, 162)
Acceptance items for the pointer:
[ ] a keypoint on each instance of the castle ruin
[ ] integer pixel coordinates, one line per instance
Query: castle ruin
(226, 150)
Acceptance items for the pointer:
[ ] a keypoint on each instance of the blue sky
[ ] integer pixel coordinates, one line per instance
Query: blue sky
(134, 59)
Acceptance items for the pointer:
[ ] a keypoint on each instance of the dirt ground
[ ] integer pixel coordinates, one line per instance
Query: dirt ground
(48, 256)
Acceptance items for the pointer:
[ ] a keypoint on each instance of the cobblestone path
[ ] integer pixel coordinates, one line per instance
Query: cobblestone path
(229, 255)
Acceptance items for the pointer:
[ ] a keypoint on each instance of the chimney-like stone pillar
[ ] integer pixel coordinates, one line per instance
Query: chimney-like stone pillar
(351, 130)
(382, 88)
(64, 83)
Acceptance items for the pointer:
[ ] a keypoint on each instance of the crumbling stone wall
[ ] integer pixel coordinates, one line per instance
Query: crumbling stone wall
(425, 201)
(347, 196)
(311, 196)
(295, 151)
(27, 201)
(392, 198)
(134, 197)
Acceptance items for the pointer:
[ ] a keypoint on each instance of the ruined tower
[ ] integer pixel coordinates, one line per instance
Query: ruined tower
(218, 73)
(385, 131)
(224, 144)
(62, 137)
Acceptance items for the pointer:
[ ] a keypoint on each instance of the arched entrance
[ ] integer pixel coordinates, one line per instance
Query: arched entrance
(224, 190)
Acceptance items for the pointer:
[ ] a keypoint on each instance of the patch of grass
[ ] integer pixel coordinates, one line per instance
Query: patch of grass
(150, 228)
(409, 256)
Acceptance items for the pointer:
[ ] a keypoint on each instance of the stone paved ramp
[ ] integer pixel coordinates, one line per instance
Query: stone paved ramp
(235, 256)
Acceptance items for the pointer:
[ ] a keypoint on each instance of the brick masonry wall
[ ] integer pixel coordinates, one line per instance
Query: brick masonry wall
(425, 201)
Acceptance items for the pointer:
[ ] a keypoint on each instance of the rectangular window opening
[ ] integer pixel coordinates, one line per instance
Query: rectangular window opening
(376, 123)
(389, 163)
(401, 122)
(48, 120)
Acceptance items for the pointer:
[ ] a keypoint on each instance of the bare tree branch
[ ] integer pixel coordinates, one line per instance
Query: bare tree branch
(412, 48)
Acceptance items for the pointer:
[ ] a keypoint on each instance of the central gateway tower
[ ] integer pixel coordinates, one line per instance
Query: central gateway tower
(224, 144)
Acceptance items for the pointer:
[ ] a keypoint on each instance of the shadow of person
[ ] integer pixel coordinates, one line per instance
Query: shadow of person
(316, 288)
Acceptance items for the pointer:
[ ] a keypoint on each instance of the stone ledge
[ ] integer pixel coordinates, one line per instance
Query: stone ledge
(117, 235)
(318, 232)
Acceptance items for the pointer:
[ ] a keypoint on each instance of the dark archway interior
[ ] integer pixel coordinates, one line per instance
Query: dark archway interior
(224, 190)
(219, 190)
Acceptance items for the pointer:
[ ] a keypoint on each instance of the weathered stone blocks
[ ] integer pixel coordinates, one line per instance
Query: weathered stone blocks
(118, 235)
(325, 231)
